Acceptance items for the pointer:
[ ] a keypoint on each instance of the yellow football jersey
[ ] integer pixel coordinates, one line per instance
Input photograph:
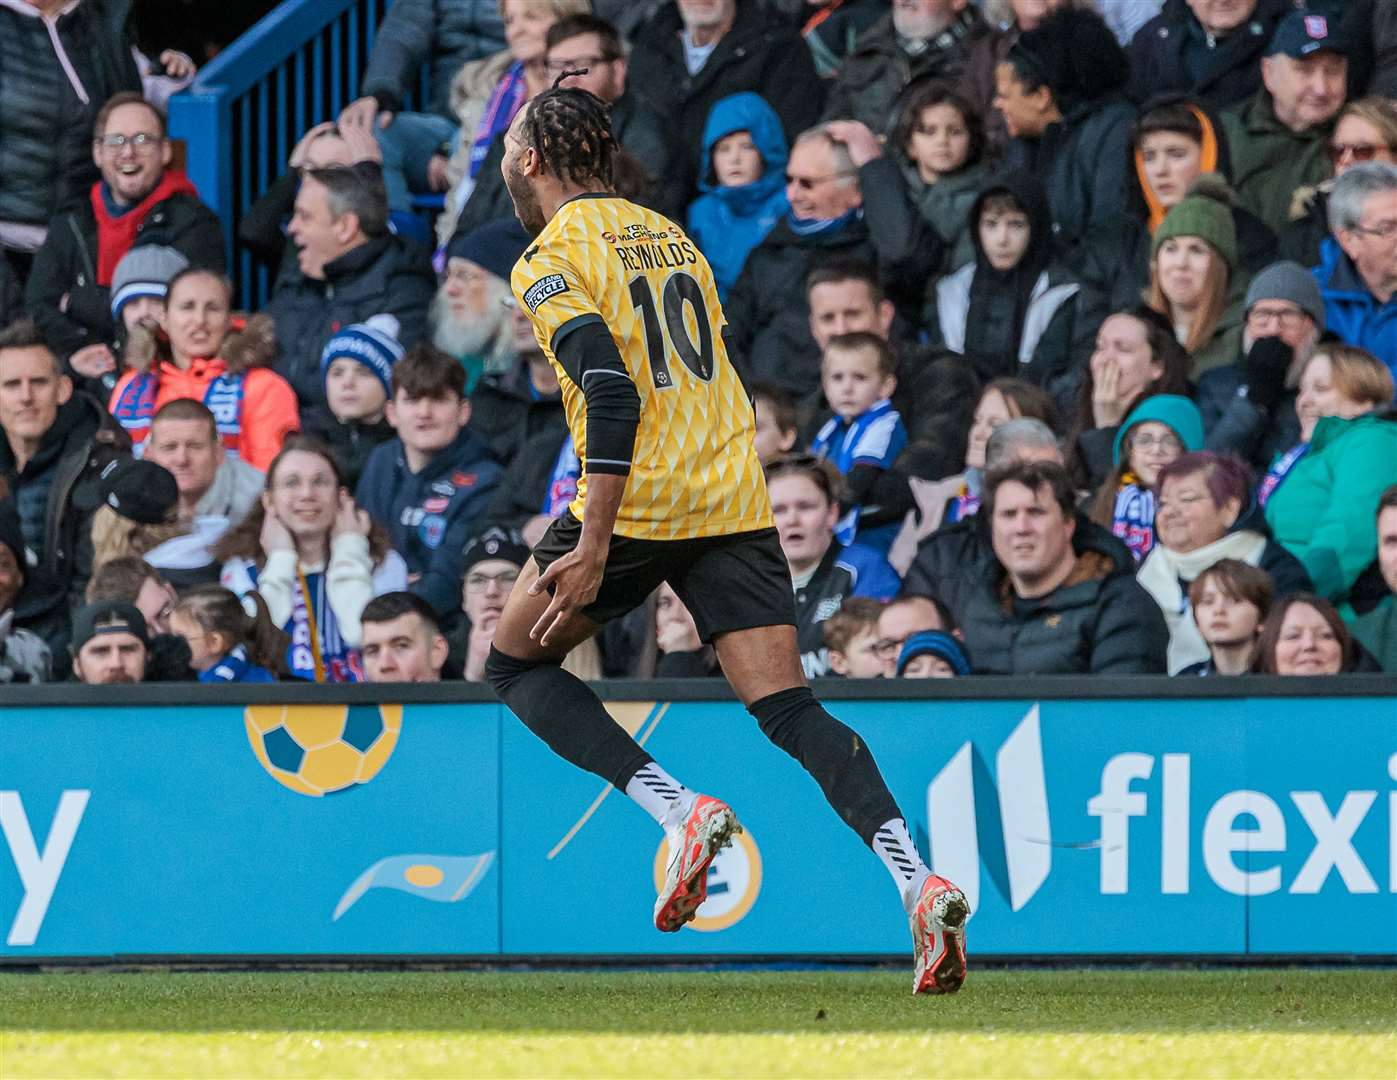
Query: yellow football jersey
(694, 471)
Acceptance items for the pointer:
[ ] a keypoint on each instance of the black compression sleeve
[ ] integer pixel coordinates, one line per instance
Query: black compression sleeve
(589, 356)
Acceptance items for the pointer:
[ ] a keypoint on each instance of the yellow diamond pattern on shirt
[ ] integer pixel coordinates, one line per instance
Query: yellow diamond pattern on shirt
(694, 471)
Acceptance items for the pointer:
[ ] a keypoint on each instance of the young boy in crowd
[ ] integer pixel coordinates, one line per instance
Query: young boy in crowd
(357, 370)
(1230, 602)
(864, 437)
(851, 635)
(777, 425)
(429, 486)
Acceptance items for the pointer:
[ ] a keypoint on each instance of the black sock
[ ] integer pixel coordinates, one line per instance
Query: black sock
(559, 708)
(832, 753)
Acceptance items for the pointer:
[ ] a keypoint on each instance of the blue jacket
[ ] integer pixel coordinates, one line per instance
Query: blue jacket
(1350, 310)
(727, 222)
(431, 514)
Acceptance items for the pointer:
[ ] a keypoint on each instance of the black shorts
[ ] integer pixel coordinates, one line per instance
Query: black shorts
(732, 582)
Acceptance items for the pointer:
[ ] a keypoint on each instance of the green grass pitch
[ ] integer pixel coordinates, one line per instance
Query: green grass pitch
(1262, 1023)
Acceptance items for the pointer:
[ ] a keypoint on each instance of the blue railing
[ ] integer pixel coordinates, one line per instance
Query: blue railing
(243, 115)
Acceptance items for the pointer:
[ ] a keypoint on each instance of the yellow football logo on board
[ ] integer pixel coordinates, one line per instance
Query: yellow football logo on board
(322, 749)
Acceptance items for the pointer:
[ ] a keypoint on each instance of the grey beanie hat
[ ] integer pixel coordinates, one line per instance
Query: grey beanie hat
(1288, 281)
(145, 270)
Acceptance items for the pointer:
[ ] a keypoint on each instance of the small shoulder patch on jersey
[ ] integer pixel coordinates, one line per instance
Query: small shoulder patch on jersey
(542, 289)
(530, 253)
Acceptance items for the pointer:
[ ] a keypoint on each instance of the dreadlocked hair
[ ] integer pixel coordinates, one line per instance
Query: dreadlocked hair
(571, 130)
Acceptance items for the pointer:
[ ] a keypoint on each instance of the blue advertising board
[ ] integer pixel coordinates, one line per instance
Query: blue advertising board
(1089, 827)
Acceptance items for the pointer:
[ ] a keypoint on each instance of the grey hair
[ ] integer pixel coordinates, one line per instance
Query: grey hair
(1355, 188)
(843, 163)
(356, 189)
(1013, 435)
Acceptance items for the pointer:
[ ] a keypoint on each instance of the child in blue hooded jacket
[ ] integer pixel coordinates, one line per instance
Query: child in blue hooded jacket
(743, 178)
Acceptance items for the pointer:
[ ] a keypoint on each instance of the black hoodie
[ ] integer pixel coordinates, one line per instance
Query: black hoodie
(985, 313)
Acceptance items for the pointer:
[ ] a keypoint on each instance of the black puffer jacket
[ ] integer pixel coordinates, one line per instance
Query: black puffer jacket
(1173, 52)
(71, 309)
(1113, 260)
(45, 125)
(387, 275)
(445, 34)
(874, 74)
(1081, 161)
(768, 315)
(1099, 621)
(62, 477)
(759, 54)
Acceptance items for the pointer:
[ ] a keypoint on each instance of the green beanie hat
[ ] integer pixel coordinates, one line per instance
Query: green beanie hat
(1206, 212)
(1175, 412)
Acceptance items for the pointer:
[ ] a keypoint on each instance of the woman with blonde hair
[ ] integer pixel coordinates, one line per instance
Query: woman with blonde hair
(1194, 279)
(1365, 131)
(1321, 496)
(137, 510)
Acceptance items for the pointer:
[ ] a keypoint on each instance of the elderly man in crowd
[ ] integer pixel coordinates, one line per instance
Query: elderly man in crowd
(1278, 139)
(1248, 406)
(1358, 269)
(1056, 602)
(470, 314)
(846, 204)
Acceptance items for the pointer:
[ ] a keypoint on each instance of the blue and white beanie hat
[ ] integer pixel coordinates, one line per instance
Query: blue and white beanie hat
(145, 270)
(373, 343)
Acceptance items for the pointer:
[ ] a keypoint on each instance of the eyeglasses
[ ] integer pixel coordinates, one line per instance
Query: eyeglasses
(1263, 316)
(143, 142)
(1386, 231)
(1358, 151)
(478, 583)
(579, 64)
(1167, 442)
(809, 183)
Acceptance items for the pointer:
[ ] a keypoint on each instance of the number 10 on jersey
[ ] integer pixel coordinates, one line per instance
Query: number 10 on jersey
(679, 289)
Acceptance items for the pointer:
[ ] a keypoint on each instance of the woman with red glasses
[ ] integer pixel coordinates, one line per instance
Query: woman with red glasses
(1366, 131)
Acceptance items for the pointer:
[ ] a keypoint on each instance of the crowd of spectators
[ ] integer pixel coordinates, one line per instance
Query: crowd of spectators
(1070, 327)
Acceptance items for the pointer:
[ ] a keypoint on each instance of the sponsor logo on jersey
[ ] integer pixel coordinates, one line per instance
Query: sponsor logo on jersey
(542, 289)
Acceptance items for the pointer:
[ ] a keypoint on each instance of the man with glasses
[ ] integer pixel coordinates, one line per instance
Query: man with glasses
(139, 200)
(1358, 267)
(1248, 406)
(492, 563)
(846, 206)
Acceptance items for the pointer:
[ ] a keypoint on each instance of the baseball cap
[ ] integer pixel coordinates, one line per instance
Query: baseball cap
(1303, 33)
(107, 617)
(138, 489)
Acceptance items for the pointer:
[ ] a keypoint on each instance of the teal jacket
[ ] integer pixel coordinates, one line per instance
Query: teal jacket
(1325, 511)
(1378, 632)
